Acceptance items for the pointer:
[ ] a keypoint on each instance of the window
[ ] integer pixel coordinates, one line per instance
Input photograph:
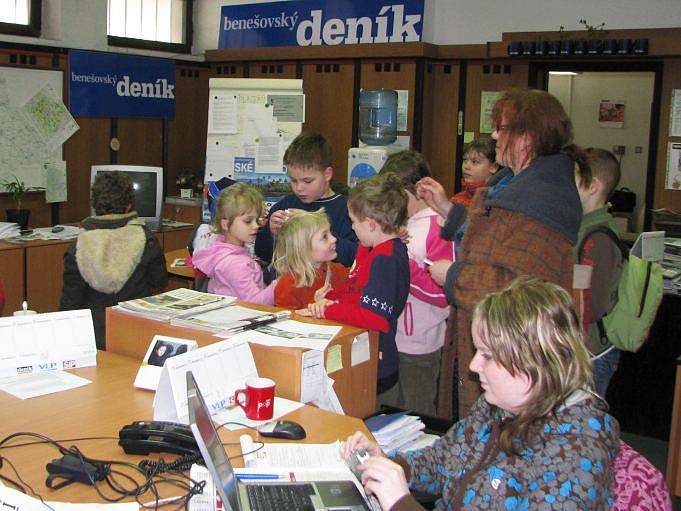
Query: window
(164, 25)
(20, 17)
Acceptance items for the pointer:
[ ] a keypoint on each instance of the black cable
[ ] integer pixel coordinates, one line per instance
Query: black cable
(83, 439)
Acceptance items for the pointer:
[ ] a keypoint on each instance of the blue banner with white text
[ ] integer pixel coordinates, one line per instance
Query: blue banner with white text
(110, 85)
(320, 22)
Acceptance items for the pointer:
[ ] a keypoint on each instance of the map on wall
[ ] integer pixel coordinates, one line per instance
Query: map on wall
(34, 123)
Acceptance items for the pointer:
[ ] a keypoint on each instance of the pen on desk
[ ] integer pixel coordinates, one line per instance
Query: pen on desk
(257, 476)
(258, 322)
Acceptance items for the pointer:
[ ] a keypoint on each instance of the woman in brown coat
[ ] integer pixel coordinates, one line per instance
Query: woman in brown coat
(524, 222)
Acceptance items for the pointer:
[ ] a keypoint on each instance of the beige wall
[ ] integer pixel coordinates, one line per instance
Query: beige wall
(581, 95)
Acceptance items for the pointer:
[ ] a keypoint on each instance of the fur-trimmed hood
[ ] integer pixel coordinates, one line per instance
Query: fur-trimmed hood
(109, 250)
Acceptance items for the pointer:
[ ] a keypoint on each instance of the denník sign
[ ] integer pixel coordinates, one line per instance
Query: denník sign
(319, 22)
(111, 85)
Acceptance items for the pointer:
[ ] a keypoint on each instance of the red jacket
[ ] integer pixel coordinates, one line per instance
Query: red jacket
(288, 296)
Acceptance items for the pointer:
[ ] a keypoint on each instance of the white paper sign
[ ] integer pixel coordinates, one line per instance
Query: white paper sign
(312, 376)
(219, 369)
(47, 342)
(222, 113)
(360, 351)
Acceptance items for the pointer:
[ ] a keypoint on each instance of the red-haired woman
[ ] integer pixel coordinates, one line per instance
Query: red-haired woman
(524, 222)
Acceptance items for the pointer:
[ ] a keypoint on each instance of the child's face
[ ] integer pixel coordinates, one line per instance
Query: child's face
(363, 229)
(322, 247)
(477, 167)
(310, 183)
(243, 228)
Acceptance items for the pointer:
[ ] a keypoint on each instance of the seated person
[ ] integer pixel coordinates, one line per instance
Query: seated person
(538, 438)
(115, 259)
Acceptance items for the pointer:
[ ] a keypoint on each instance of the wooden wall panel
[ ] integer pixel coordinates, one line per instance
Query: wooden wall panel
(329, 93)
(187, 130)
(88, 146)
(272, 70)
(671, 79)
(12, 276)
(490, 75)
(399, 74)
(227, 70)
(440, 121)
(141, 141)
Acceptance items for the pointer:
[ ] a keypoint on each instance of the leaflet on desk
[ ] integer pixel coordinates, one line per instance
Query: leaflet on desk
(176, 303)
(47, 342)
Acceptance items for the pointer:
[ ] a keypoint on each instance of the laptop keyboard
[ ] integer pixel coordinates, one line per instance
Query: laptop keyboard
(276, 497)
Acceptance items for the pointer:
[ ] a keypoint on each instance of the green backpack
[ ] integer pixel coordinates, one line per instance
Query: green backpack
(639, 294)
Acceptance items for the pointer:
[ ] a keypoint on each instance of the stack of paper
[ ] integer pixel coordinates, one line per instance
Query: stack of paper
(176, 303)
(395, 430)
(8, 230)
(228, 319)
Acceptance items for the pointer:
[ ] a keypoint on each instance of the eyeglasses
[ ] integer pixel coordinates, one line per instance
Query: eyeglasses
(502, 127)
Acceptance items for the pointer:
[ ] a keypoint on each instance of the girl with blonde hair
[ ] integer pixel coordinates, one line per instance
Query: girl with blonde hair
(538, 438)
(303, 256)
(228, 263)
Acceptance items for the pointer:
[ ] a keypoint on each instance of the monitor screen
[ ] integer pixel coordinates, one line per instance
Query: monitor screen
(147, 183)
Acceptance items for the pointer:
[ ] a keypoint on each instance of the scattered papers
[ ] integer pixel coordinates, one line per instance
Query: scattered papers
(8, 230)
(292, 455)
(237, 414)
(329, 399)
(175, 303)
(69, 232)
(291, 334)
(15, 500)
(425, 440)
(221, 320)
(26, 386)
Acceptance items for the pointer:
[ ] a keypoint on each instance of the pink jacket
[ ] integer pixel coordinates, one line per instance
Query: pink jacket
(233, 271)
(421, 326)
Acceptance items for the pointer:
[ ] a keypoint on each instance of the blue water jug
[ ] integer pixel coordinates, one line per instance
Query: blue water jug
(378, 116)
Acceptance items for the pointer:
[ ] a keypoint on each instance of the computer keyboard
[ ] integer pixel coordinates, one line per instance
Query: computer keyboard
(276, 497)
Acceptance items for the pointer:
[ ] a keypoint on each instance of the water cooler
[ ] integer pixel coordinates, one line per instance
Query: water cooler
(377, 131)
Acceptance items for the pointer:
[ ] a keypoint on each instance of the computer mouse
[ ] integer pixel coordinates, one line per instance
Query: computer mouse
(57, 228)
(288, 430)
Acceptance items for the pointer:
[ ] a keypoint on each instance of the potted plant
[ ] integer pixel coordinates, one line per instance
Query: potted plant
(17, 189)
(188, 183)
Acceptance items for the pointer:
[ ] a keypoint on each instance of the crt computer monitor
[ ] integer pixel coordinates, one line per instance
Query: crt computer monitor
(148, 185)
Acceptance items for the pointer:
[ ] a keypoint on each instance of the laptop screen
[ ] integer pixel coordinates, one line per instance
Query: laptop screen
(210, 445)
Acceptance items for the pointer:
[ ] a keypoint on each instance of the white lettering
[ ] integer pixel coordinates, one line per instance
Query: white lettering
(160, 89)
(400, 27)
(352, 24)
(315, 28)
(382, 23)
(332, 30)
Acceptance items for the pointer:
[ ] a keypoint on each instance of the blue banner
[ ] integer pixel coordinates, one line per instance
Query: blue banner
(110, 85)
(320, 22)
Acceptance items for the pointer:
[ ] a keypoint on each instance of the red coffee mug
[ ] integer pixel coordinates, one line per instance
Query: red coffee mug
(258, 398)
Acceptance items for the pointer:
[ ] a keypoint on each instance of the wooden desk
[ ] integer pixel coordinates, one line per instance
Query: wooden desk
(182, 272)
(674, 456)
(34, 269)
(130, 335)
(101, 409)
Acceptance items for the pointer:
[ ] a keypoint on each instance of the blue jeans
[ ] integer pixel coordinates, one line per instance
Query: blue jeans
(604, 367)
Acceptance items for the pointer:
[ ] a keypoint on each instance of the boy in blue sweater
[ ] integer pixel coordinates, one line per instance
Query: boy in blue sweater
(308, 160)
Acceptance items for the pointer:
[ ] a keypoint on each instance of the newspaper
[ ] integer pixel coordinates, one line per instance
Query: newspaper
(176, 303)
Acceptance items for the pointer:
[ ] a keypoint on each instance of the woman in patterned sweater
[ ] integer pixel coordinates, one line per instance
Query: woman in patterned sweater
(538, 438)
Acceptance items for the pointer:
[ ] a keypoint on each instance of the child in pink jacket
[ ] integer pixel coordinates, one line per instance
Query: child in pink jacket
(421, 326)
(228, 264)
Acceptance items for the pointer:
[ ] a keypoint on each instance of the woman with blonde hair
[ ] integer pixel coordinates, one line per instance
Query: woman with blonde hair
(537, 438)
(303, 255)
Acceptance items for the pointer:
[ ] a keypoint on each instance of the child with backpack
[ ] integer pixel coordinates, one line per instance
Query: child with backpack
(625, 291)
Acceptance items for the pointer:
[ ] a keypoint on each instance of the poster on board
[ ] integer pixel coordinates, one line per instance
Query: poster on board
(673, 177)
(611, 113)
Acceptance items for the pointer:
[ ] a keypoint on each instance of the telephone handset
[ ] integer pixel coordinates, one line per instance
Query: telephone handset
(144, 437)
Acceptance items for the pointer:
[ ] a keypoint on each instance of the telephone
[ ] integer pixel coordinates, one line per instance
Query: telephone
(143, 437)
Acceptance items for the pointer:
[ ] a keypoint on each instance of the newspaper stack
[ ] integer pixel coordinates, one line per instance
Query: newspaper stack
(175, 304)
(395, 430)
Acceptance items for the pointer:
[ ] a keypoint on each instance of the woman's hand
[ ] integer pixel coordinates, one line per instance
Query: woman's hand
(438, 271)
(358, 440)
(385, 479)
(434, 194)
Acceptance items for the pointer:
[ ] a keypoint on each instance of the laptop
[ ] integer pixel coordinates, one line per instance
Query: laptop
(261, 495)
